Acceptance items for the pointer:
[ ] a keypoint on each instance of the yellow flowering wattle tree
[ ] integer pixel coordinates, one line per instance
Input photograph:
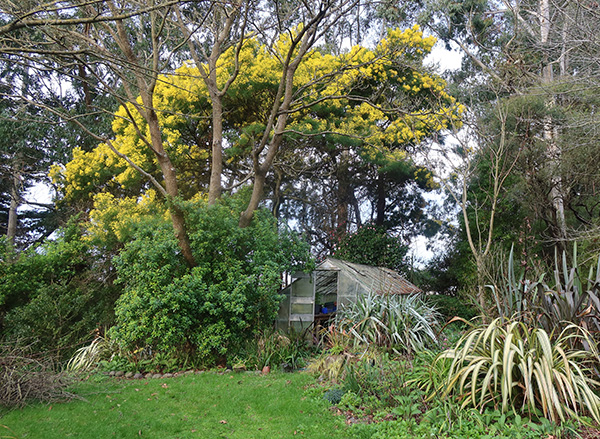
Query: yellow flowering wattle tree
(374, 104)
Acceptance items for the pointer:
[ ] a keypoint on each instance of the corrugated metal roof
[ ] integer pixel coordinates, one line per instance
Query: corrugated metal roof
(377, 279)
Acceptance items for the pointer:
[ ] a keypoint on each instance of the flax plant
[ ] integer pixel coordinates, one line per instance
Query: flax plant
(87, 357)
(392, 321)
(511, 366)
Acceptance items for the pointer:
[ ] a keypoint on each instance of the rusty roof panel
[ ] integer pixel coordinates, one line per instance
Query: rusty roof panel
(377, 279)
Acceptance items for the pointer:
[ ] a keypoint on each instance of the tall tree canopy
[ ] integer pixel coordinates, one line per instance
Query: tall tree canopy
(366, 109)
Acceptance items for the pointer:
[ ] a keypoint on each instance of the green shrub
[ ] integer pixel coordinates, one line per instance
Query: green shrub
(274, 348)
(101, 349)
(449, 421)
(55, 294)
(350, 401)
(333, 396)
(330, 367)
(570, 297)
(518, 368)
(429, 372)
(574, 298)
(212, 309)
(379, 379)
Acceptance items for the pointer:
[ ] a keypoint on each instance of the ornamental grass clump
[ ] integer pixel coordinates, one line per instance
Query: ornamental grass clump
(392, 321)
(512, 367)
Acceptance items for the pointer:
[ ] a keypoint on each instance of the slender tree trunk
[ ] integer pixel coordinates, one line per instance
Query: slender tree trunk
(269, 144)
(550, 131)
(216, 170)
(260, 170)
(224, 20)
(277, 197)
(257, 194)
(171, 186)
(15, 201)
(146, 82)
(356, 208)
(343, 194)
(380, 217)
(479, 262)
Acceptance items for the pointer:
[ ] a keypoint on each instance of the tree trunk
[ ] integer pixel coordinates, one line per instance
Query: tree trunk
(146, 83)
(216, 170)
(380, 217)
(277, 197)
(257, 194)
(15, 200)
(481, 288)
(279, 112)
(343, 195)
(550, 135)
(224, 18)
(260, 171)
(171, 186)
(356, 208)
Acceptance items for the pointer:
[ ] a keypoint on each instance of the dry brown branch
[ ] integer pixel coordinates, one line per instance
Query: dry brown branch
(26, 377)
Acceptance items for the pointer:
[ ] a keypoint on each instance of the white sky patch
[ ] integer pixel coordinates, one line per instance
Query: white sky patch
(444, 58)
(418, 253)
(40, 192)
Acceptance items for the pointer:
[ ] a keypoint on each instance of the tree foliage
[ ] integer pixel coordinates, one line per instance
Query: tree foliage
(372, 245)
(533, 60)
(368, 107)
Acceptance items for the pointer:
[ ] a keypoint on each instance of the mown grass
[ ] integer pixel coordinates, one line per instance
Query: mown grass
(208, 405)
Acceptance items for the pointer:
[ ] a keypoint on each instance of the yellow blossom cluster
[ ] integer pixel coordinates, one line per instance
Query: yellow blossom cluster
(113, 219)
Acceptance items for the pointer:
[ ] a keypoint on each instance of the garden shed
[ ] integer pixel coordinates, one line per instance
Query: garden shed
(314, 297)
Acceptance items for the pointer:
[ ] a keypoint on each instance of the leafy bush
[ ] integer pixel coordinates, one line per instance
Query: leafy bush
(571, 298)
(370, 382)
(335, 339)
(379, 380)
(209, 310)
(330, 367)
(429, 372)
(333, 396)
(518, 368)
(274, 348)
(574, 299)
(55, 294)
(393, 321)
(514, 294)
(350, 401)
(449, 421)
(90, 356)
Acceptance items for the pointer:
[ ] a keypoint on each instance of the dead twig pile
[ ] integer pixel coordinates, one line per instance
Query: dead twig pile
(27, 377)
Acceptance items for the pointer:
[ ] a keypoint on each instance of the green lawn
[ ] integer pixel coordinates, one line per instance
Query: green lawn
(208, 405)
